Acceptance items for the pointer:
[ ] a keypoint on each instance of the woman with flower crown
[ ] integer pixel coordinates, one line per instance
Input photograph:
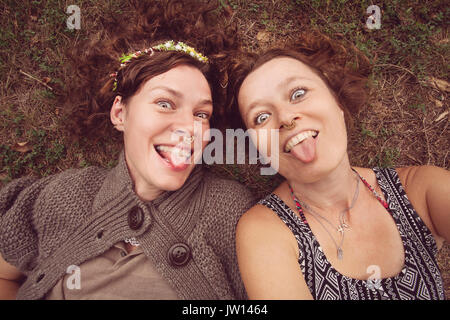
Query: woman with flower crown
(157, 226)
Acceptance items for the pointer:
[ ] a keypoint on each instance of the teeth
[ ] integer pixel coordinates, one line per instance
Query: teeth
(174, 150)
(299, 138)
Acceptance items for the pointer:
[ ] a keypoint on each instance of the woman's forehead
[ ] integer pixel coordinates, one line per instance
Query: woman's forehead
(275, 74)
(182, 78)
(279, 69)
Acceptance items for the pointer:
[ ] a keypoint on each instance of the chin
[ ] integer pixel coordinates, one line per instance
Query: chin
(172, 183)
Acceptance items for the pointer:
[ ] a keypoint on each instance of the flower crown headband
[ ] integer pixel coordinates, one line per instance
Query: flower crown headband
(168, 46)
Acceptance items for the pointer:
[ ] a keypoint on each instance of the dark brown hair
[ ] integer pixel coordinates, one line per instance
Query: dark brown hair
(343, 70)
(194, 22)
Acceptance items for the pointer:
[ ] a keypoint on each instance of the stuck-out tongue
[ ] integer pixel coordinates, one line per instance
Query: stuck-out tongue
(305, 151)
(177, 161)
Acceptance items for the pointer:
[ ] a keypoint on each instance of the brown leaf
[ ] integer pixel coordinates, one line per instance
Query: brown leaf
(439, 84)
(22, 147)
(438, 103)
(46, 79)
(441, 116)
(263, 36)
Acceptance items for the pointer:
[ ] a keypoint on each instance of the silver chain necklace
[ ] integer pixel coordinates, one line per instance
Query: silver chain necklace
(342, 223)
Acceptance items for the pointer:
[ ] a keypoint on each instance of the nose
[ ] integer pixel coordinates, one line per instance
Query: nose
(184, 128)
(289, 122)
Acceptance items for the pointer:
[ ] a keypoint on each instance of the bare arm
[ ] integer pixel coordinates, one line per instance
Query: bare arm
(10, 280)
(267, 257)
(428, 188)
(437, 197)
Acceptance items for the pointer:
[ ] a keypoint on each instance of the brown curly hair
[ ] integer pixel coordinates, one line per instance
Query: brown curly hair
(90, 96)
(345, 72)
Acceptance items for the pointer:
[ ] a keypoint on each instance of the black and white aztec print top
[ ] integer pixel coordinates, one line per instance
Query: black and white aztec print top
(419, 278)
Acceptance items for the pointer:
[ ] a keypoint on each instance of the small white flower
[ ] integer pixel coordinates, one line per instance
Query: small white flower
(178, 47)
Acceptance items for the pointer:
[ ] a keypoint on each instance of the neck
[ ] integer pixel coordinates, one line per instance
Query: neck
(144, 190)
(147, 194)
(329, 194)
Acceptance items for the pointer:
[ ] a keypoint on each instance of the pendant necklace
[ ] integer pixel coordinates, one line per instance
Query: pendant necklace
(342, 223)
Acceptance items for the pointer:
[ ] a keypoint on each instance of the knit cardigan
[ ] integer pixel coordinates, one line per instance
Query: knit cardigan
(49, 224)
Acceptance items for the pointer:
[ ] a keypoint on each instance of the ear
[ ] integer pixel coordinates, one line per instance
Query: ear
(118, 113)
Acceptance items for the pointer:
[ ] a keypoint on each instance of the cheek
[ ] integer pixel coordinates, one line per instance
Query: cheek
(144, 125)
(205, 135)
(266, 141)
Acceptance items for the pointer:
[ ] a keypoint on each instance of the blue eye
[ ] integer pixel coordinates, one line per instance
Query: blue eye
(297, 93)
(202, 115)
(165, 105)
(261, 118)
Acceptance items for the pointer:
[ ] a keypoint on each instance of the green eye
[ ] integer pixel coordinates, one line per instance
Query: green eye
(261, 118)
(298, 93)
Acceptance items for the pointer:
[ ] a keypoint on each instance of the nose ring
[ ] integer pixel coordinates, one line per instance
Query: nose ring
(290, 126)
(187, 139)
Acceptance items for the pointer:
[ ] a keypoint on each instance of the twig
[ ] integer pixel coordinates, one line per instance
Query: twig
(41, 82)
(395, 66)
(445, 158)
(427, 141)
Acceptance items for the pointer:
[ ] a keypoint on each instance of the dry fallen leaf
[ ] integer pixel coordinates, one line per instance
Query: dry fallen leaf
(46, 79)
(438, 83)
(441, 116)
(438, 103)
(22, 147)
(263, 36)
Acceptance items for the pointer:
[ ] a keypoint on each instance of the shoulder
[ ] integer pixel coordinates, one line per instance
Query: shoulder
(260, 227)
(425, 185)
(32, 199)
(223, 202)
(418, 176)
(228, 193)
(268, 257)
(418, 180)
(26, 205)
(73, 179)
(27, 190)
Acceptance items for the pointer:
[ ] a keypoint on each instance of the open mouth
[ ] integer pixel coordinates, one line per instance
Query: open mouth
(163, 150)
(299, 138)
(178, 156)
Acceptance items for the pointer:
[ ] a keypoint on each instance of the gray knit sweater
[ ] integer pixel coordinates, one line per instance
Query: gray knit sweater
(48, 224)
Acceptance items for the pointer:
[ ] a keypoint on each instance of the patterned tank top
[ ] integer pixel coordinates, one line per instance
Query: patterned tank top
(419, 278)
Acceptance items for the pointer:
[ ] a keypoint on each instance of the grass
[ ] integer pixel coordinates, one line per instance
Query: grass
(397, 128)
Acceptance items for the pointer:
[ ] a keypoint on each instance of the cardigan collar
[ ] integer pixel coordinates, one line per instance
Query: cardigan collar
(118, 183)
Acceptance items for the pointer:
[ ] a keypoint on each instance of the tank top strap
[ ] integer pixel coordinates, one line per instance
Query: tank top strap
(299, 229)
(402, 210)
(284, 212)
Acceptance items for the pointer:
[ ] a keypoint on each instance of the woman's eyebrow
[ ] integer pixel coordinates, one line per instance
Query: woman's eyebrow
(179, 95)
(287, 81)
(170, 90)
(253, 105)
(206, 102)
(281, 85)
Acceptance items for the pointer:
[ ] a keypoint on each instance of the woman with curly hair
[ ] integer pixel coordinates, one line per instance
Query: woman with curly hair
(157, 226)
(331, 230)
